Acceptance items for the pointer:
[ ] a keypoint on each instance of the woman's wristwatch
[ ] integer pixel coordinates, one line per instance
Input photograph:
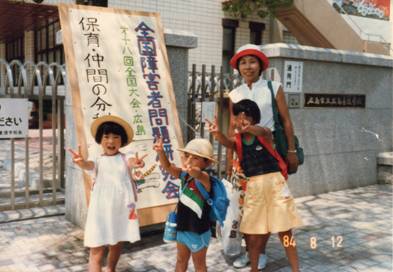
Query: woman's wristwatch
(291, 151)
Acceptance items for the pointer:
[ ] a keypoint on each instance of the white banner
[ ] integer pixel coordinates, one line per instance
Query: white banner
(122, 69)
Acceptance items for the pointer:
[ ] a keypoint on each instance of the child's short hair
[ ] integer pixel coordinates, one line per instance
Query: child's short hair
(250, 109)
(111, 127)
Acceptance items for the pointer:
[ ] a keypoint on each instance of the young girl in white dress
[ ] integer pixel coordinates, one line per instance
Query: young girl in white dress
(111, 217)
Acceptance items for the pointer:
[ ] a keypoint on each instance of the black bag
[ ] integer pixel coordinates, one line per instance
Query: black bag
(280, 139)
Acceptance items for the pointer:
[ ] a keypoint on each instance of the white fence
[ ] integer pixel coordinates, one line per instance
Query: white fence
(32, 168)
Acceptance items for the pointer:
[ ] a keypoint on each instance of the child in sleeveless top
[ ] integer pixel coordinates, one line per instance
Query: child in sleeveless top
(111, 217)
(193, 224)
(268, 204)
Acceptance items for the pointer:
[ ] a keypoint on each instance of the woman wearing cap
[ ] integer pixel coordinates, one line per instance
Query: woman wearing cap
(111, 217)
(250, 61)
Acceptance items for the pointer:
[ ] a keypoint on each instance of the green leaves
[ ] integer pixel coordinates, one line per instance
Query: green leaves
(244, 8)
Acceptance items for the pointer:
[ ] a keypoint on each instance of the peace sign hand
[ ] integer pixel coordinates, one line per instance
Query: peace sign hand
(193, 171)
(212, 126)
(244, 128)
(76, 156)
(158, 145)
(137, 162)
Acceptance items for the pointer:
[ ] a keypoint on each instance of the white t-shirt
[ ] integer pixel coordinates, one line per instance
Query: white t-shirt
(260, 94)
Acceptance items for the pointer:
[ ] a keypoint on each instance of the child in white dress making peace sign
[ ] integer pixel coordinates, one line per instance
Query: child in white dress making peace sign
(111, 217)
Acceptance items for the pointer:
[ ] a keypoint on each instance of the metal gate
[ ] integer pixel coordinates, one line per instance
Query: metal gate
(32, 168)
(209, 86)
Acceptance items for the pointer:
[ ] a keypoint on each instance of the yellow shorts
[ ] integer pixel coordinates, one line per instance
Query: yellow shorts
(268, 206)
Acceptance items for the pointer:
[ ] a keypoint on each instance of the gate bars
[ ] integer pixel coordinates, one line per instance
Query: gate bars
(40, 82)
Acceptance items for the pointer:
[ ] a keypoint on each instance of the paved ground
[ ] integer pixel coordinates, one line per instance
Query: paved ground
(34, 151)
(352, 230)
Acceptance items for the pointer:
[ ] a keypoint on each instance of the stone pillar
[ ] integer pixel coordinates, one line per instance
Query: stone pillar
(177, 45)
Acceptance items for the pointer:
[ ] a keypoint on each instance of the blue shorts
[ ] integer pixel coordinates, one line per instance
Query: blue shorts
(194, 241)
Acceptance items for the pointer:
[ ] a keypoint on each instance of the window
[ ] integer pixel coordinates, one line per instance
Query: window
(228, 42)
(45, 45)
(15, 50)
(256, 30)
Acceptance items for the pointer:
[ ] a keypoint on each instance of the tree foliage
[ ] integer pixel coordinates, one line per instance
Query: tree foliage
(262, 8)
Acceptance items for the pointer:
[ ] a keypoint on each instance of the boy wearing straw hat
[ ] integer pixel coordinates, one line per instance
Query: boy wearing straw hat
(193, 224)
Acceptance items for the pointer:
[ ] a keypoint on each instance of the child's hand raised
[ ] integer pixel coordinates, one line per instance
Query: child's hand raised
(242, 124)
(79, 160)
(158, 145)
(76, 156)
(193, 171)
(137, 162)
(244, 128)
(212, 126)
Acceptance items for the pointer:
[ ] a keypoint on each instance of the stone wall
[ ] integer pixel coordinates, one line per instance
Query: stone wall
(341, 144)
(385, 168)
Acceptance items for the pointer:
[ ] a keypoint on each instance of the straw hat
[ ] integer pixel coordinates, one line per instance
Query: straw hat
(250, 49)
(115, 119)
(199, 147)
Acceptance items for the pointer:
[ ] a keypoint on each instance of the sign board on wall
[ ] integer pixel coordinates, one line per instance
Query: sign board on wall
(14, 118)
(117, 64)
(335, 100)
(293, 76)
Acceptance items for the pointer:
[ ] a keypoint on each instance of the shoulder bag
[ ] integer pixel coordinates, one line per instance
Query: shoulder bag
(280, 139)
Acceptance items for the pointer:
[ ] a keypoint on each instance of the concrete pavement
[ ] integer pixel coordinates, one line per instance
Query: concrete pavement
(349, 230)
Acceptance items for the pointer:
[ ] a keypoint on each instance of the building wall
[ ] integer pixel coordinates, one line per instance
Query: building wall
(2, 51)
(29, 45)
(341, 144)
(243, 31)
(202, 18)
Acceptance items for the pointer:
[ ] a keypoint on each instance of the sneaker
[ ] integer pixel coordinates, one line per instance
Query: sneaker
(241, 261)
(262, 261)
(244, 260)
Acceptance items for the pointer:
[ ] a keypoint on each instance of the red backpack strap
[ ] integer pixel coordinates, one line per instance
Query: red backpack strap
(239, 146)
(281, 163)
(133, 183)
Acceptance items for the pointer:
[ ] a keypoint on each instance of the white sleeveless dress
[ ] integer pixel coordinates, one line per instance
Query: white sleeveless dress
(108, 220)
